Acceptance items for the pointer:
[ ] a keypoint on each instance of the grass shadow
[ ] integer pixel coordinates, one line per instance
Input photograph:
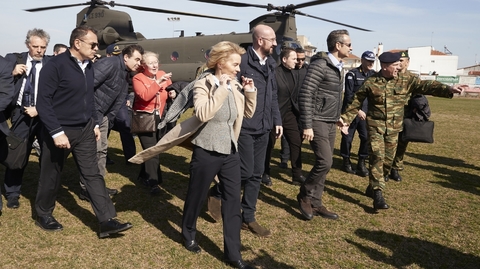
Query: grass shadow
(407, 251)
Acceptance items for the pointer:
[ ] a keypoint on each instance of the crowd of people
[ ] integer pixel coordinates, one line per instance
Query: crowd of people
(243, 102)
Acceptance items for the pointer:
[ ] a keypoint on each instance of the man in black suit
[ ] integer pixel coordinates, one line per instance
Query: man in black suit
(6, 94)
(66, 107)
(288, 84)
(23, 112)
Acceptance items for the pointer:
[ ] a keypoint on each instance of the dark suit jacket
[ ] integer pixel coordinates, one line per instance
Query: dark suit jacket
(6, 92)
(287, 96)
(18, 80)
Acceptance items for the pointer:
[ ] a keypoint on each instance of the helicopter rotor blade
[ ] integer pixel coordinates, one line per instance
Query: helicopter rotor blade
(314, 3)
(229, 3)
(339, 23)
(174, 12)
(56, 7)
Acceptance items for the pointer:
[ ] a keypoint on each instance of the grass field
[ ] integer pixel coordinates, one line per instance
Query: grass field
(433, 222)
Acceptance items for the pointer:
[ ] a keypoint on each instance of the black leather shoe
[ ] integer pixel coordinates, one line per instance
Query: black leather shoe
(347, 166)
(48, 223)
(395, 175)
(305, 206)
(266, 180)
(362, 168)
(192, 246)
(378, 200)
(298, 180)
(112, 226)
(83, 195)
(239, 264)
(12, 202)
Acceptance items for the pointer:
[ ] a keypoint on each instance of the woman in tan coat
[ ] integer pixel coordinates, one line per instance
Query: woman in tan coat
(220, 103)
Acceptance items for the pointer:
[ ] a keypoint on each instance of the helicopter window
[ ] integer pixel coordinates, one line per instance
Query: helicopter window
(207, 53)
(174, 56)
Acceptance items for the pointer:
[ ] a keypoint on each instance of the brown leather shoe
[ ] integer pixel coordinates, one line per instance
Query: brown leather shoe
(305, 207)
(256, 229)
(324, 213)
(214, 207)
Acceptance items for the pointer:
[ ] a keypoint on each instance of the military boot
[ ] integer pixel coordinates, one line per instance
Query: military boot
(361, 168)
(378, 200)
(395, 175)
(347, 166)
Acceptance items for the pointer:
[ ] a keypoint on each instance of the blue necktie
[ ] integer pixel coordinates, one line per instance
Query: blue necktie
(28, 98)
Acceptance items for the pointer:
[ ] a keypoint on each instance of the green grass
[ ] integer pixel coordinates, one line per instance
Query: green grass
(433, 221)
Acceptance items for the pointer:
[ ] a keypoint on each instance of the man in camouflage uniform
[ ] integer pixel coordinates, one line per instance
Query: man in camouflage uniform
(387, 92)
(402, 145)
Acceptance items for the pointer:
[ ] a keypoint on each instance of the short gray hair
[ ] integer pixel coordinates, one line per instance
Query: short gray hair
(39, 33)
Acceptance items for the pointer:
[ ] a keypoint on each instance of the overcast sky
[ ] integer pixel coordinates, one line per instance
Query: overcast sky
(398, 24)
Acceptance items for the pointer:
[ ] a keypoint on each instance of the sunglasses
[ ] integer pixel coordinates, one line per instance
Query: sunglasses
(348, 45)
(92, 45)
(301, 59)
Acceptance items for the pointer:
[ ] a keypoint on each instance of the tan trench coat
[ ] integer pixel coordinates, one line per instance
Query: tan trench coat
(210, 98)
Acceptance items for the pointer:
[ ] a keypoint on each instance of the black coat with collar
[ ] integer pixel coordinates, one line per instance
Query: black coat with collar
(111, 86)
(18, 80)
(267, 114)
(320, 96)
(288, 96)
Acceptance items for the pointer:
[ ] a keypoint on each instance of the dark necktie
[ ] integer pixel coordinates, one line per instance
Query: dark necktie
(28, 98)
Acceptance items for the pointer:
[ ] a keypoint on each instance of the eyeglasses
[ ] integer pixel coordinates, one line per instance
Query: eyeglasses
(348, 45)
(301, 59)
(273, 40)
(152, 63)
(92, 45)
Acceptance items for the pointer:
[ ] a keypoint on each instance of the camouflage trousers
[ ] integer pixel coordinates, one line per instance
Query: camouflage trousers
(401, 149)
(383, 146)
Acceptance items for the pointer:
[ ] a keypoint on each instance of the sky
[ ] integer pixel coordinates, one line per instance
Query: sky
(397, 24)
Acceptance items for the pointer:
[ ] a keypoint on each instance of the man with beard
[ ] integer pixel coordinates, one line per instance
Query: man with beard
(66, 107)
(22, 109)
(111, 89)
(258, 64)
(320, 102)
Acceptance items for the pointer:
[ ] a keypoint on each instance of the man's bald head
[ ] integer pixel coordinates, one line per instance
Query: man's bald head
(263, 39)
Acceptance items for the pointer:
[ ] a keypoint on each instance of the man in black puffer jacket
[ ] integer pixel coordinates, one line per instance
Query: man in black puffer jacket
(111, 89)
(320, 102)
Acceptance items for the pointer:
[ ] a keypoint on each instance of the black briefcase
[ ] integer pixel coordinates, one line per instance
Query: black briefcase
(417, 131)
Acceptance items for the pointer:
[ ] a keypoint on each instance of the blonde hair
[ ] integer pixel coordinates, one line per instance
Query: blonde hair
(221, 51)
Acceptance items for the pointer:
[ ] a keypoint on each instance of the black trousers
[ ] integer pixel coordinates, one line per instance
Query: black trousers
(322, 145)
(346, 145)
(84, 150)
(203, 168)
(293, 136)
(151, 168)
(20, 125)
(121, 124)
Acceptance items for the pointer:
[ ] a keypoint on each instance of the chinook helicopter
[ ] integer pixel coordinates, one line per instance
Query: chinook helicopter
(184, 55)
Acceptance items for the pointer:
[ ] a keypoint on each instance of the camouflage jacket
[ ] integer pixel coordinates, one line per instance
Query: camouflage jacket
(387, 99)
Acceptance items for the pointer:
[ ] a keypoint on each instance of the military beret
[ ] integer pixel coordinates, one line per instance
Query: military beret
(404, 54)
(389, 57)
(113, 49)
